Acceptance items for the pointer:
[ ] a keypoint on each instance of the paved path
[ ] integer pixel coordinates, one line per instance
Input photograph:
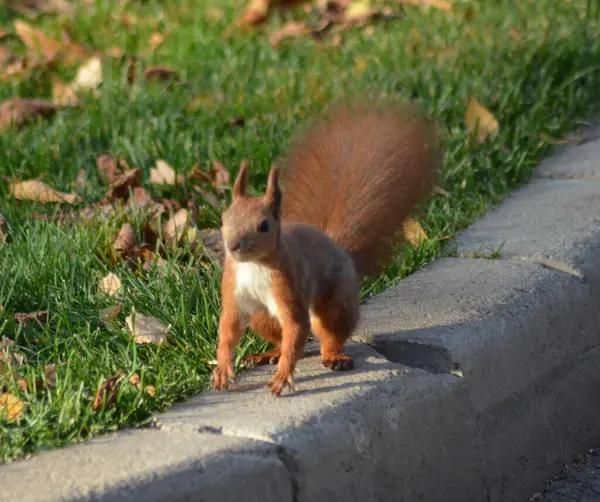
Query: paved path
(580, 482)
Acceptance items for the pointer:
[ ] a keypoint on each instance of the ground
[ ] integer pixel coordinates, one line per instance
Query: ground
(533, 65)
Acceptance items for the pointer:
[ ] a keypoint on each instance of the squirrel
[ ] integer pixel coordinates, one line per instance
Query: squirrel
(295, 256)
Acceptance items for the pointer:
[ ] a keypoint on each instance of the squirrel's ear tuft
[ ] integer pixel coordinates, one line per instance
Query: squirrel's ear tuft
(241, 182)
(273, 192)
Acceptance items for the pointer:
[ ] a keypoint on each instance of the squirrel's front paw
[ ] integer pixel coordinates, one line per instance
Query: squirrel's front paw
(280, 380)
(221, 376)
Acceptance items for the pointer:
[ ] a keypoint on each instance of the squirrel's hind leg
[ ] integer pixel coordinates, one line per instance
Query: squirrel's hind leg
(333, 320)
(268, 328)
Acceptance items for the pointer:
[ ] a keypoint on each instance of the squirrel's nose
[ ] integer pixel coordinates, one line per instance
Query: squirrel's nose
(235, 246)
(238, 245)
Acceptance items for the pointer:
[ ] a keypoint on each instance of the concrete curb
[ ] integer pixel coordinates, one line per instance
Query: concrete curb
(476, 379)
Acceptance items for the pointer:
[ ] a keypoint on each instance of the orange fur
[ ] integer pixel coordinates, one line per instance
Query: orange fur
(294, 258)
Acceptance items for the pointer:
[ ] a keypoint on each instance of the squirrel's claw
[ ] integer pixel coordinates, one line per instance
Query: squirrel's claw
(279, 381)
(221, 377)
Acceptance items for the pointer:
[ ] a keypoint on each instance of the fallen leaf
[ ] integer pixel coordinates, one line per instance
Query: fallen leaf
(108, 316)
(3, 234)
(89, 75)
(125, 241)
(110, 285)
(63, 94)
(50, 374)
(357, 9)
(40, 192)
(25, 318)
(290, 30)
(175, 227)
(45, 6)
(480, 121)
(212, 242)
(141, 197)
(135, 381)
(11, 407)
(161, 73)
(146, 329)
(5, 56)
(150, 390)
(17, 111)
(36, 41)
(164, 174)
(23, 385)
(255, 13)
(108, 168)
(210, 198)
(120, 188)
(155, 40)
(108, 388)
(442, 192)
(413, 232)
(220, 175)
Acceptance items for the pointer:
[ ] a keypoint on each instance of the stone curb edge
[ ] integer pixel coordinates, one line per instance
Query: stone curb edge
(476, 379)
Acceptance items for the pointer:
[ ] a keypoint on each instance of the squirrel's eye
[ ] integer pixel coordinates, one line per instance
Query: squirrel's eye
(264, 226)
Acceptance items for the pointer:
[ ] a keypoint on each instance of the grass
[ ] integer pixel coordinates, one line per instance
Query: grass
(536, 65)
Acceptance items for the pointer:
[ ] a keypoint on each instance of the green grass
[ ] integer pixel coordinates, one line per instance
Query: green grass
(539, 88)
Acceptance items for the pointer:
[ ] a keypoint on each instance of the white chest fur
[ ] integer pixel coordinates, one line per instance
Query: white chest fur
(253, 289)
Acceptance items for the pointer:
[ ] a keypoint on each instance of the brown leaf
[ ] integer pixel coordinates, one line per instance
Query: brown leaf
(110, 285)
(26, 317)
(40, 192)
(108, 168)
(442, 192)
(17, 111)
(135, 381)
(150, 390)
(108, 316)
(480, 121)
(36, 41)
(5, 56)
(162, 73)
(45, 6)
(164, 174)
(125, 240)
(210, 198)
(290, 30)
(11, 407)
(212, 241)
(155, 40)
(50, 374)
(120, 188)
(175, 227)
(146, 329)
(413, 232)
(63, 94)
(108, 388)
(220, 175)
(3, 234)
(255, 13)
(141, 197)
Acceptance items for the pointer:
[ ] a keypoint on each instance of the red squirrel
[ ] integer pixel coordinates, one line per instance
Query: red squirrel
(295, 256)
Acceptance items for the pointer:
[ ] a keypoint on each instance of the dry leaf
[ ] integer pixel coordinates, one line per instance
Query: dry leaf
(5, 56)
(108, 316)
(357, 10)
(141, 197)
(155, 40)
(89, 75)
(480, 120)
(212, 242)
(164, 174)
(110, 285)
(161, 73)
(125, 240)
(25, 317)
(63, 94)
(255, 14)
(290, 30)
(210, 198)
(3, 234)
(108, 388)
(146, 329)
(108, 168)
(135, 381)
(150, 390)
(50, 374)
(11, 407)
(442, 192)
(120, 188)
(36, 41)
(413, 232)
(175, 227)
(17, 111)
(220, 175)
(38, 191)
(45, 6)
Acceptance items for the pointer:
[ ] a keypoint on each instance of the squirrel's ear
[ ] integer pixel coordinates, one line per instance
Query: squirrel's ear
(273, 192)
(241, 182)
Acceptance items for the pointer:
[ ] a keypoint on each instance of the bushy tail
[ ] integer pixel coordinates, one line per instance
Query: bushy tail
(357, 174)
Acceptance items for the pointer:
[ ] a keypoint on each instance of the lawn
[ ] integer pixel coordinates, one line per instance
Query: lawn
(534, 65)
